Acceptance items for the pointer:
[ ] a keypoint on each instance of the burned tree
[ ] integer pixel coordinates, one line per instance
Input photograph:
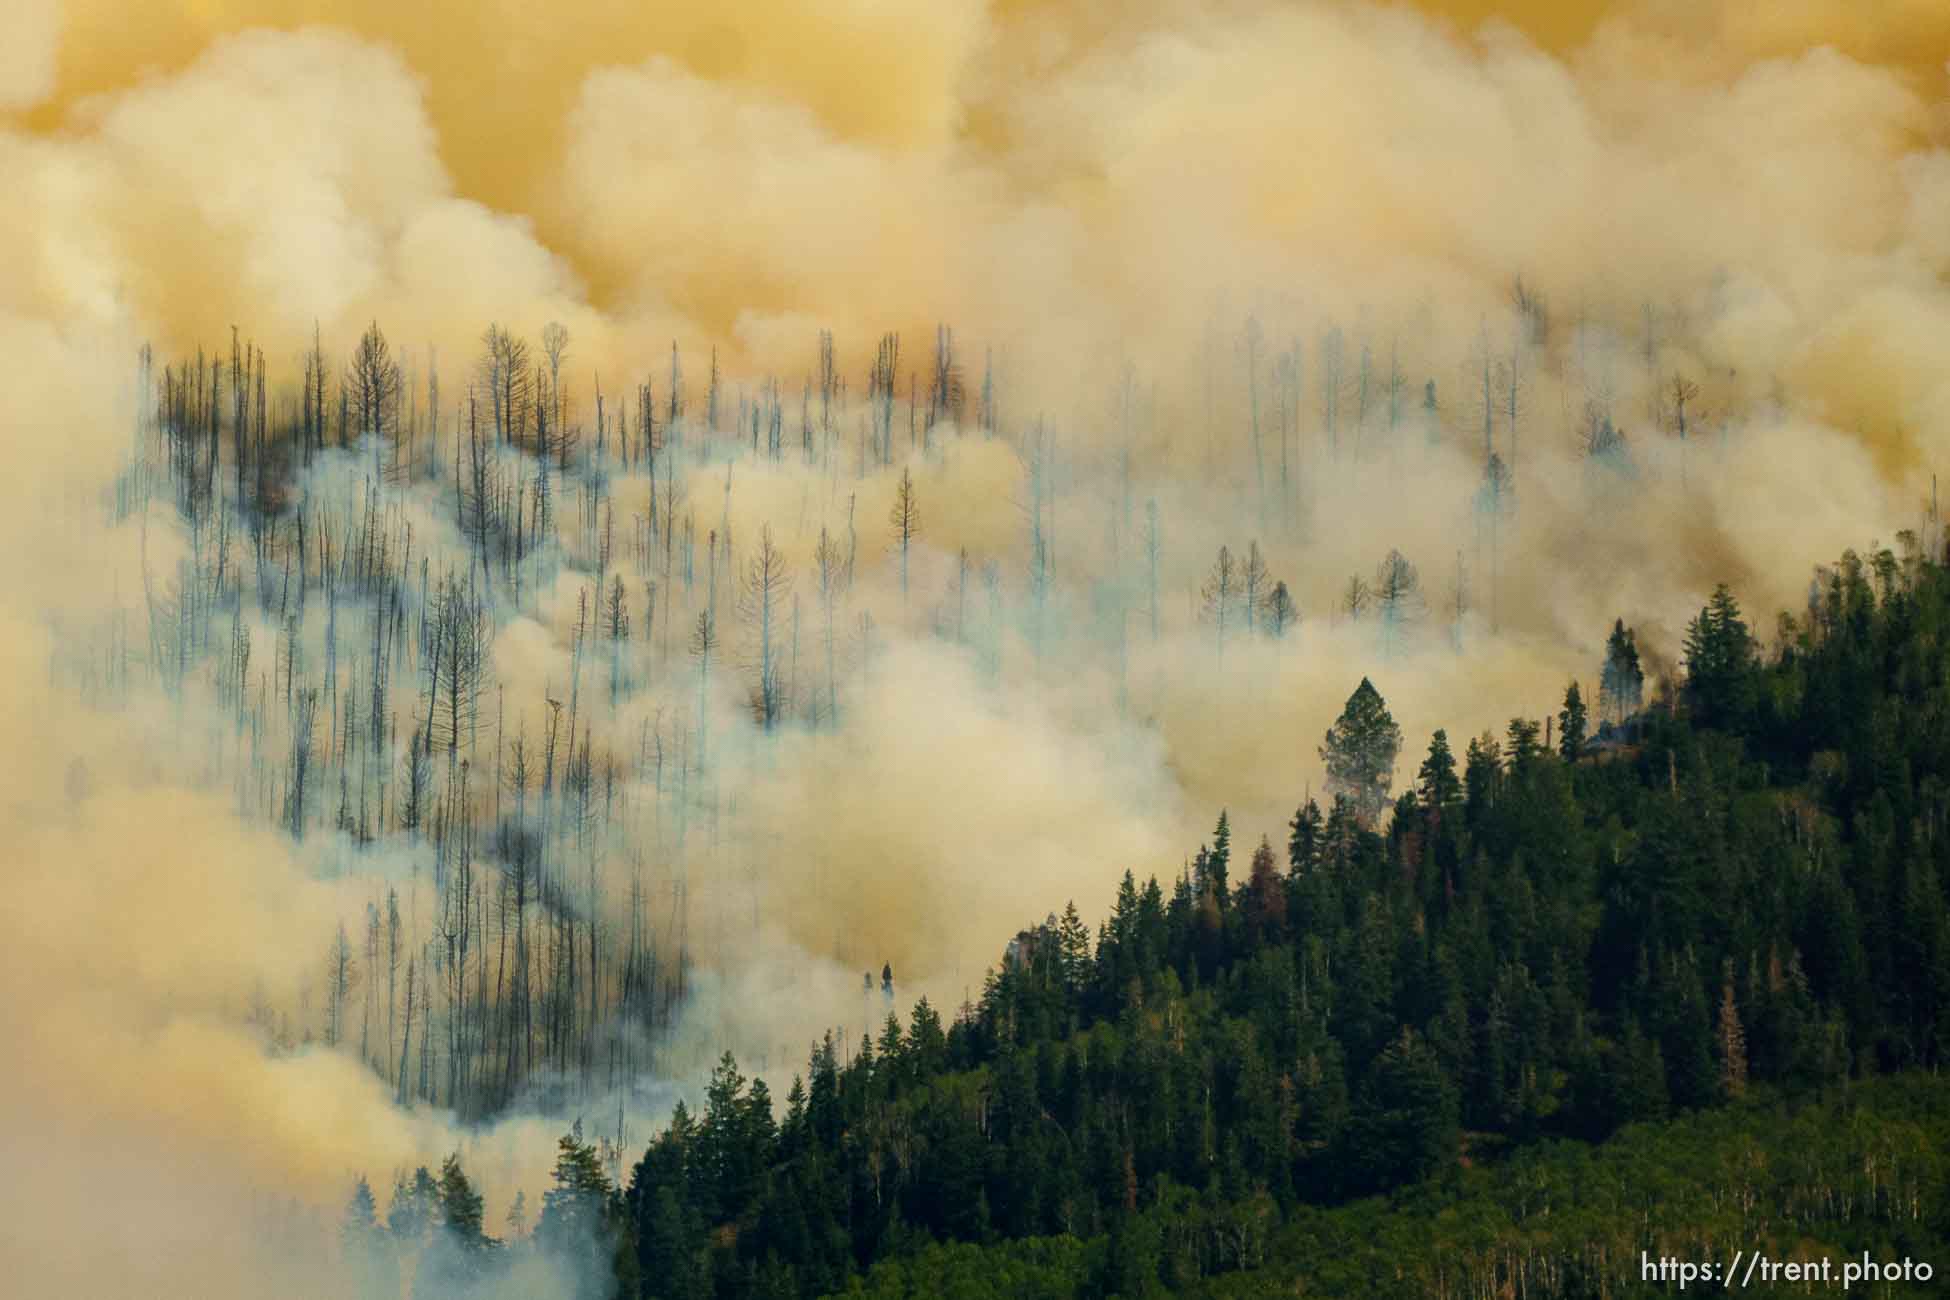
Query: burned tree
(905, 516)
(373, 386)
(767, 586)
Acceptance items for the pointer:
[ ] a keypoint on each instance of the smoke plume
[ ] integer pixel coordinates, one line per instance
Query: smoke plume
(1581, 308)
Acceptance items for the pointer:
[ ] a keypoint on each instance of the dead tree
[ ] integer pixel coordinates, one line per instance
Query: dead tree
(373, 384)
(1219, 595)
(905, 516)
(762, 597)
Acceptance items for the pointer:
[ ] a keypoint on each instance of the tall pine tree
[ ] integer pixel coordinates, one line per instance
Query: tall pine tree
(1360, 750)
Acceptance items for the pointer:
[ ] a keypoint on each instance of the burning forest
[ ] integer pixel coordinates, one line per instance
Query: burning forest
(552, 554)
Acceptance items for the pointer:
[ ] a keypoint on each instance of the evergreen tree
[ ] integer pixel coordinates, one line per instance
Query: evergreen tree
(1405, 1125)
(1264, 901)
(460, 1206)
(1719, 662)
(1360, 750)
(361, 1220)
(1730, 1040)
(1482, 775)
(1218, 860)
(367, 1250)
(1621, 682)
(926, 1041)
(1523, 743)
(1751, 899)
(1303, 845)
(415, 1203)
(574, 1209)
(1571, 724)
(1073, 942)
(668, 1244)
(456, 1257)
(1637, 1075)
(1436, 781)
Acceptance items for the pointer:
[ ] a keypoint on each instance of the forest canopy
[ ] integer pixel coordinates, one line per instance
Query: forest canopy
(1691, 941)
(562, 560)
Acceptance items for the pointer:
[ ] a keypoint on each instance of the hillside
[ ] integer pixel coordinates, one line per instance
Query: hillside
(1732, 898)
(1823, 1177)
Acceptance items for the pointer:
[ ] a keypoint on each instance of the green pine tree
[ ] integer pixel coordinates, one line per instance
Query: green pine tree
(1359, 750)
(1436, 782)
(574, 1208)
(460, 1206)
(1571, 724)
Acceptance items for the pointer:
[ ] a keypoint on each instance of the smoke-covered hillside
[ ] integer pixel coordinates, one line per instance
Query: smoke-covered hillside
(540, 546)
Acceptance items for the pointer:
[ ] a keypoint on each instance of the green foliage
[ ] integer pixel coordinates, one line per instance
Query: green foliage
(1702, 936)
(1436, 783)
(1720, 666)
(1621, 681)
(1833, 1176)
(1405, 1126)
(460, 1205)
(1571, 724)
(1029, 1270)
(1360, 750)
(576, 1211)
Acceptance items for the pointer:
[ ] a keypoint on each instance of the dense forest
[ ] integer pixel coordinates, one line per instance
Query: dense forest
(954, 647)
(1707, 932)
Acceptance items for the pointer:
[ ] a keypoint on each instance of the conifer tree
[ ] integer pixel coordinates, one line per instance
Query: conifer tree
(1571, 723)
(1218, 862)
(366, 1252)
(892, 1047)
(1073, 941)
(1719, 660)
(1637, 1077)
(361, 1220)
(413, 1208)
(1730, 1039)
(573, 1209)
(926, 1040)
(1405, 1125)
(1523, 744)
(460, 1206)
(1482, 774)
(1436, 782)
(1303, 845)
(1621, 684)
(1265, 898)
(1360, 749)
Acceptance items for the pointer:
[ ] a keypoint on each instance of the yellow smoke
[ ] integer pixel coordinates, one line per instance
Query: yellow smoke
(1078, 185)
